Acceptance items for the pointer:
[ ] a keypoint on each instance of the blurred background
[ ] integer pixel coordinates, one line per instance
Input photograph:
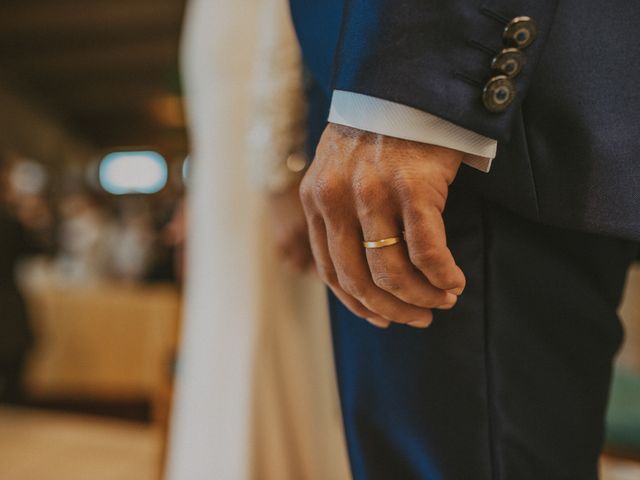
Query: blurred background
(93, 169)
(93, 161)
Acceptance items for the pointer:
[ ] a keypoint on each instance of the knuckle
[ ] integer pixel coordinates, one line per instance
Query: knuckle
(425, 257)
(366, 192)
(405, 186)
(354, 288)
(327, 192)
(388, 281)
(414, 215)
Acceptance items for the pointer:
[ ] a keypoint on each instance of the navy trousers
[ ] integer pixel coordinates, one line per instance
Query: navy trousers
(512, 383)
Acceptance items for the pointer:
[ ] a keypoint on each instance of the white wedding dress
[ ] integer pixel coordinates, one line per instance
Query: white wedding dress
(256, 395)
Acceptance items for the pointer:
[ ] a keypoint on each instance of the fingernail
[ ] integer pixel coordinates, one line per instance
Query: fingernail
(420, 324)
(451, 298)
(456, 291)
(449, 302)
(380, 323)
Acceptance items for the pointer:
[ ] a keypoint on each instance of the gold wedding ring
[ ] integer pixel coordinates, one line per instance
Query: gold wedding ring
(385, 242)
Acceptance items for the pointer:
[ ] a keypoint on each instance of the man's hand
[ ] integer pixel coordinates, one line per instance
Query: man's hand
(365, 186)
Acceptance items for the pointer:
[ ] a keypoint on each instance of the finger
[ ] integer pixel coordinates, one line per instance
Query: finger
(349, 260)
(428, 251)
(391, 269)
(355, 306)
(419, 324)
(326, 271)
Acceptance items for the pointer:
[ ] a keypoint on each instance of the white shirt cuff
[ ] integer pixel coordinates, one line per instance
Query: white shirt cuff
(396, 120)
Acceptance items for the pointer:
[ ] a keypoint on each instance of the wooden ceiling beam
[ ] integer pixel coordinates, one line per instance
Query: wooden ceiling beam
(134, 135)
(109, 93)
(135, 56)
(97, 63)
(43, 43)
(64, 16)
(109, 78)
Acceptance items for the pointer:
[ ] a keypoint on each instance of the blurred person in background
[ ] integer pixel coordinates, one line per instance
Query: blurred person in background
(256, 393)
(168, 258)
(174, 235)
(132, 242)
(86, 233)
(16, 336)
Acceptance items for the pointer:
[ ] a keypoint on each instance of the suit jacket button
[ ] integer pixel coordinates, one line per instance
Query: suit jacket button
(520, 32)
(498, 93)
(509, 61)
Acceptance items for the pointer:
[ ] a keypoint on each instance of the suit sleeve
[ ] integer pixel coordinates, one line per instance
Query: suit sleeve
(396, 120)
(445, 57)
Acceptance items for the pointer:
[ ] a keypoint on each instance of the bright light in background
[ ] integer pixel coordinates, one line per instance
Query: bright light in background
(186, 169)
(133, 172)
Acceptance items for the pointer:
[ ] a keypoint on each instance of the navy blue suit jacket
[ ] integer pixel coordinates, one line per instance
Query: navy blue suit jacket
(568, 147)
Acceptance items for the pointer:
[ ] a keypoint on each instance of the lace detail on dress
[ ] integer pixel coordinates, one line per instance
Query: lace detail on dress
(277, 123)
